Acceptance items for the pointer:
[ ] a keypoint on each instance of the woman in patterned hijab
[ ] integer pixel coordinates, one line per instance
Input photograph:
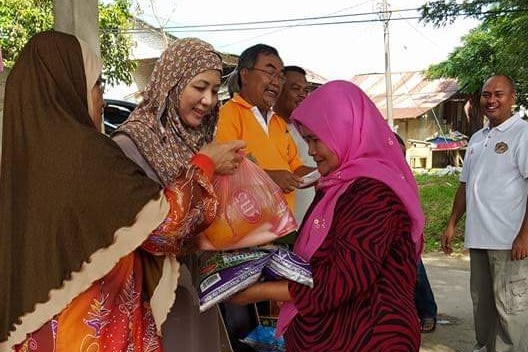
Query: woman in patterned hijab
(163, 137)
(79, 221)
(175, 120)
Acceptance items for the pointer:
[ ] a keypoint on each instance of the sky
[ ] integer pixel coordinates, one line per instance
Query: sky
(334, 51)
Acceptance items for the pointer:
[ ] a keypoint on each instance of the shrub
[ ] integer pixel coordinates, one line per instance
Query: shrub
(437, 194)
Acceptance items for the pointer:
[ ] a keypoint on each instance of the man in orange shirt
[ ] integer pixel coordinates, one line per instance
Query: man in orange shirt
(249, 116)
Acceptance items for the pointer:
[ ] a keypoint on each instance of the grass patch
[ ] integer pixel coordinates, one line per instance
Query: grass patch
(437, 194)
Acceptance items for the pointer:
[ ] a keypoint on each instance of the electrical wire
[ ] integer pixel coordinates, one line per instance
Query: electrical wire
(171, 30)
(257, 25)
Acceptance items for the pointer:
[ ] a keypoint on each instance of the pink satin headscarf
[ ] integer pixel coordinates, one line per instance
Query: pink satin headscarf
(351, 126)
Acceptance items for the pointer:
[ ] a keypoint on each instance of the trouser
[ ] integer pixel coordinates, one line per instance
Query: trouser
(424, 297)
(499, 290)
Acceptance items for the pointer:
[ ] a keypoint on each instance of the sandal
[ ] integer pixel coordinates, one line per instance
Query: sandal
(427, 325)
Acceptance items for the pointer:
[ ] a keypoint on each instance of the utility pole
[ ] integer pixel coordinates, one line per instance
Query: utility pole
(385, 15)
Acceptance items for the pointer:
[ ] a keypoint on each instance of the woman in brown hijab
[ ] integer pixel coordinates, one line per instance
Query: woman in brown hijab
(176, 118)
(78, 218)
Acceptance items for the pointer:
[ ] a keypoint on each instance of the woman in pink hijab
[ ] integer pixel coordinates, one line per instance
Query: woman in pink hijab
(362, 234)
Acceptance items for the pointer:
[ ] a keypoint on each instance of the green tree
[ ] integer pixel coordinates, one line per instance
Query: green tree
(441, 12)
(498, 45)
(21, 19)
(115, 45)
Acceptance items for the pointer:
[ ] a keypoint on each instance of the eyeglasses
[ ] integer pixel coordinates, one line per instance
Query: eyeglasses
(271, 75)
(101, 83)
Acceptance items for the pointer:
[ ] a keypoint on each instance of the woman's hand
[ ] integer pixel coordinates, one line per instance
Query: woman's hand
(286, 180)
(226, 156)
(263, 291)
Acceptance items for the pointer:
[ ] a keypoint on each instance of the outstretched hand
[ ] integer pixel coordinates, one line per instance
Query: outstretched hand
(226, 155)
(263, 291)
(286, 180)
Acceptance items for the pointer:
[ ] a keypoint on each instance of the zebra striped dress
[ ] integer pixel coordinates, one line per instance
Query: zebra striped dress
(364, 279)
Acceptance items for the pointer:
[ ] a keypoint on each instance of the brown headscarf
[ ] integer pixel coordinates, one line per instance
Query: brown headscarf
(66, 191)
(155, 127)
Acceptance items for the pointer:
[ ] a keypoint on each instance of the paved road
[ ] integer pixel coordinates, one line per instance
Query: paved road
(449, 277)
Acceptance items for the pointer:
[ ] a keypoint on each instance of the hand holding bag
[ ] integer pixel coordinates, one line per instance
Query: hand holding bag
(252, 210)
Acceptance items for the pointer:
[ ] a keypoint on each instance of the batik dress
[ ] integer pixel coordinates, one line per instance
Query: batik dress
(114, 314)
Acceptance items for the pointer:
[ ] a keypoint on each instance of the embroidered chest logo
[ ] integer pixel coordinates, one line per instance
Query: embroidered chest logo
(501, 148)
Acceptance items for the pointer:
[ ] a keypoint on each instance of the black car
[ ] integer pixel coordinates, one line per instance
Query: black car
(115, 113)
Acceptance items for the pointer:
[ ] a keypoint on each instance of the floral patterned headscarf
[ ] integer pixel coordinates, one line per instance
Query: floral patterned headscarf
(155, 127)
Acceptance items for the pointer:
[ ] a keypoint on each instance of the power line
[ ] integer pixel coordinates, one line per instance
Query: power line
(265, 33)
(285, 20)
(420, 32)
(172, 30)
(236, 26)
(203, 27)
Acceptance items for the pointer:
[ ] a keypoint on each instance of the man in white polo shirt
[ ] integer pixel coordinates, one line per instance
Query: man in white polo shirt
(493, 193)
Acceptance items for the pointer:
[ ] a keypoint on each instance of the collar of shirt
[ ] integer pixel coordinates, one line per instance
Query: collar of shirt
(503, 126)
(263, 122)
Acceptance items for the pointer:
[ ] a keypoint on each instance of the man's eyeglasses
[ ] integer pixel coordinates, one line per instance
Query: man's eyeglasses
(272, 75)
(101, 83)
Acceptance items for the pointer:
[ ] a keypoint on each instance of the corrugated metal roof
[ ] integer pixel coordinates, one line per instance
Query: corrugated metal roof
(412, 94)
(314, 78)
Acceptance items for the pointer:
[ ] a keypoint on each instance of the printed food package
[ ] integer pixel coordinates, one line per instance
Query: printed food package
(251, 205)
(228, 272)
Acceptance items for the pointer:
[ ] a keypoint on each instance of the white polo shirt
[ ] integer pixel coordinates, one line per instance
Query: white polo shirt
(495, 172)
(303, 196)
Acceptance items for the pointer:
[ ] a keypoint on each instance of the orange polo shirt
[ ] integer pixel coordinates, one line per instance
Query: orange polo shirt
(274, 150)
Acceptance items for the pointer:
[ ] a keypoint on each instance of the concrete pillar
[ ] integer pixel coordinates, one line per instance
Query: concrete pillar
(80, 18)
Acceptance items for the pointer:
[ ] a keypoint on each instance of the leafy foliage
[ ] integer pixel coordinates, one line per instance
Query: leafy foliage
(441, 12)
(115, 46)
(471, 63)
(437, 194)
(498, 45)
(21, 19)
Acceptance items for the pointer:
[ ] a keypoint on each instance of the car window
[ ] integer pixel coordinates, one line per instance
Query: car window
(115, 113)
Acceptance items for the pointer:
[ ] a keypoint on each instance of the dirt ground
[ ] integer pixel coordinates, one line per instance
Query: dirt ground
(449, 277)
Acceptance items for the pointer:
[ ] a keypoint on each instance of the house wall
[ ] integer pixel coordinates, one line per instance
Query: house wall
(419, 128)
(142, 73)
(447, 116)
(457, 118)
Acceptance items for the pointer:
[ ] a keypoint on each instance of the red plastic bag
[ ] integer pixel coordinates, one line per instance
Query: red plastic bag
(252, 210)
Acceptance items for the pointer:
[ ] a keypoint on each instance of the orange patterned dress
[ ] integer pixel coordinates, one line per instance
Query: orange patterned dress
(114, 314)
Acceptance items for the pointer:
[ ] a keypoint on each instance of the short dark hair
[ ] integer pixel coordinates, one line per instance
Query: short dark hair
(247, 59)
(293, 68)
